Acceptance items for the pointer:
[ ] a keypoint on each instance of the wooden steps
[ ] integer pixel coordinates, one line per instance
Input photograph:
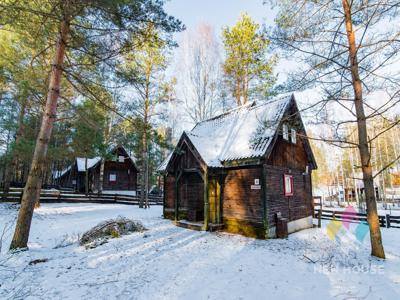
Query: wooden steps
(190, 225)
(199, 226)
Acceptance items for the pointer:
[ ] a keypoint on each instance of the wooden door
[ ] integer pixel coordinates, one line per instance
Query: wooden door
(214, 191)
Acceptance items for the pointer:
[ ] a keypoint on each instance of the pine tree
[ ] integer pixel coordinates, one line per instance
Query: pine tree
(248, 69)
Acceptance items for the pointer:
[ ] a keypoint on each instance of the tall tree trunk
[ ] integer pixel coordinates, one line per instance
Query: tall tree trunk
(34, 182)
(103, 160)
(238, 94)
(86, 176)
(144, 179)
(145, 156)
(365, 155)
(101, 178)
(10, 170)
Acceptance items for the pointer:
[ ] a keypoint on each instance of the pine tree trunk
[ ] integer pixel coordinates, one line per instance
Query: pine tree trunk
(365, 155)
(34, 182)
(145, 163)
(143, 190)
(86, 176)
(101, 179)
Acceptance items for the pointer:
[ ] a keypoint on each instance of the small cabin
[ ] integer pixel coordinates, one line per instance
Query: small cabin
(245, 171)
(120, 173)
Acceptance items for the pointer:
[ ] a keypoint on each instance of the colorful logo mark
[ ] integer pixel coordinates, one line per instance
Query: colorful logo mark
(349, 216)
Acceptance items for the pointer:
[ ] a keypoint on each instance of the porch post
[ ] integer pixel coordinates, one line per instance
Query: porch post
(264, 200)
(221, 197)
(177, 195)
(205, 180)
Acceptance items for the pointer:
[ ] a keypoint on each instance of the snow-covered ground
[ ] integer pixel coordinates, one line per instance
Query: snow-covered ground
(167, 262)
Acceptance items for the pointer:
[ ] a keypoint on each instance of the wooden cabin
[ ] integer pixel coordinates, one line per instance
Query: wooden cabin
(244, 171)
(120, 173)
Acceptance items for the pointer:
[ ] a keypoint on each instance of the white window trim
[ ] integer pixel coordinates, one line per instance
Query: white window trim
(293, 136)
(121, 158)
(112, 177)
(288, 185)
(285, 132)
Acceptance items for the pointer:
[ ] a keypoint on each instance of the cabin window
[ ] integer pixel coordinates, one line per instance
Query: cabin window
(113, 177)
(121, 159)
(285, 132)
(293, 136)
(288, 185)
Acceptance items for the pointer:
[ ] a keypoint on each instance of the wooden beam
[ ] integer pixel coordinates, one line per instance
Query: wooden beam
(191, 170)
(177, 195)
(264, 200)
(219, 190)
(205, 180)
(242, 163)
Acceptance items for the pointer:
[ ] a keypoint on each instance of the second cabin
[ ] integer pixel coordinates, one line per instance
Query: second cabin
(119, 175)
(246, 171)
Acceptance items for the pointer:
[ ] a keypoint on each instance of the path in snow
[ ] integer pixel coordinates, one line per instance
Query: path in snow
(167, 262)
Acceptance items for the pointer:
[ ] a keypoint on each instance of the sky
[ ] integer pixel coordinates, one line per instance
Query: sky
(221, 13)
(218, 13)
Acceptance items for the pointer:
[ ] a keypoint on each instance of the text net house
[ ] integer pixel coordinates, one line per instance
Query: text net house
(241, 169)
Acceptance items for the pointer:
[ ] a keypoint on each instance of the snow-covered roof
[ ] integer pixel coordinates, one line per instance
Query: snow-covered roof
(80, 162)
(244, 132)
(58, 174)
(164, 164)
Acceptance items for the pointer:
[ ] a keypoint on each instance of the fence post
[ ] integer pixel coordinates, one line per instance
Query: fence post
(381, 221)
(333, 215)
(319, 218)
(387, 221)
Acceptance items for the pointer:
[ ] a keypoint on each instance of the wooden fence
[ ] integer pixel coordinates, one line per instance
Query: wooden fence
(387, 220)
(56, 196)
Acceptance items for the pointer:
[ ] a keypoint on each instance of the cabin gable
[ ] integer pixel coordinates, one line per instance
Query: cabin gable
(286, 150)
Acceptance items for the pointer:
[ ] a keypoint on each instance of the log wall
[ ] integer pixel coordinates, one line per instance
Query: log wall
(293, 207)
(242, 207)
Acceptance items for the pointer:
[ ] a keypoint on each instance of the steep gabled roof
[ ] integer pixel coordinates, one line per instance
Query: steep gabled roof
(130, 157)
(92, 162)
(242, 133)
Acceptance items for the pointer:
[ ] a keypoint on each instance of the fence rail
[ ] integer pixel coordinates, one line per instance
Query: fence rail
(55, 197)
(387, 220)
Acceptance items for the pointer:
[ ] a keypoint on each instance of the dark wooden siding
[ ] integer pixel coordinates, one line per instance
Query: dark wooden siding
(125, 180)
(291, 207)
(190, 185)
(169, 192)
(240, 202)
(191, 196)
(187, 159)
(286, 154)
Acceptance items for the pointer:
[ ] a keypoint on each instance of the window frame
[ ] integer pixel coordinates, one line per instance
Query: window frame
(293, 135)
(285, 132)
(285, 186)
(115, 176)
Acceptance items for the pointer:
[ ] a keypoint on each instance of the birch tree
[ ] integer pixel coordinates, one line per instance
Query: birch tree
(199, 73)
(346, 49)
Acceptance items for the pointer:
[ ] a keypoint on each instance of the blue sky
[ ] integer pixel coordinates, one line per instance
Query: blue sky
(218, 13)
